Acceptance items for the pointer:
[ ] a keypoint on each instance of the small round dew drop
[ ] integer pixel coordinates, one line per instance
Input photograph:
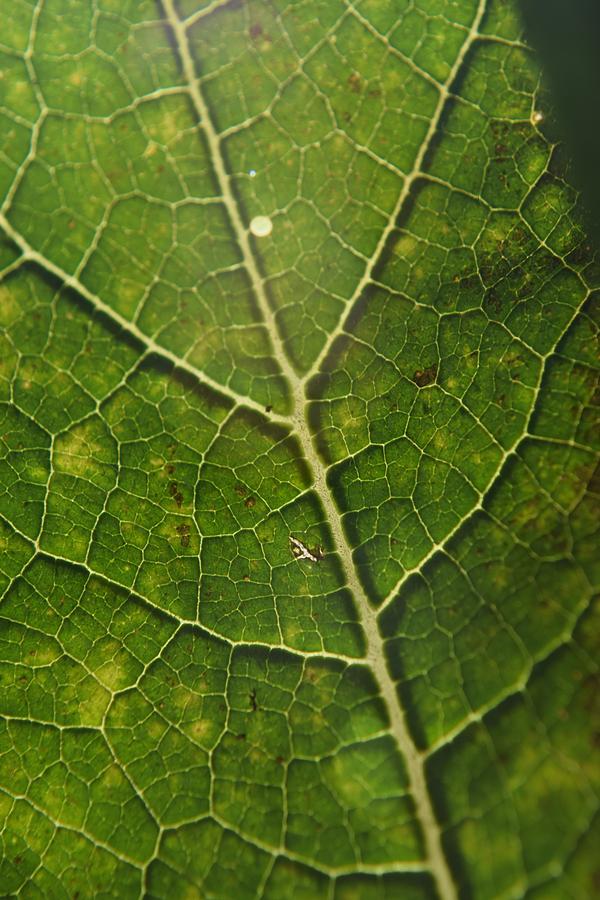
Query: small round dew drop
(261, 226)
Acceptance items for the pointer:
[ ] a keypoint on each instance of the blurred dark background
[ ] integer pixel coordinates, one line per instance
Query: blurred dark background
(566, 36)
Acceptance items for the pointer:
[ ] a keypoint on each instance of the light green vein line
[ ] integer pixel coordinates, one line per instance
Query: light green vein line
(414, 174)
(30, 255)
(483, 494)
(399, 727)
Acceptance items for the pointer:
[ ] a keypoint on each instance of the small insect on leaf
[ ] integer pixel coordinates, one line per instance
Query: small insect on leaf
(301, 551)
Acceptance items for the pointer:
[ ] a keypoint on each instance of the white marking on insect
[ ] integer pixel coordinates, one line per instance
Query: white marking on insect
(301, 551)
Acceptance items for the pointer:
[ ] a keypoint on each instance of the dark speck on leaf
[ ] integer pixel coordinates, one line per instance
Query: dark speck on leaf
(175, 493)
(268, 408)
(253, 701)
(184, 534)
(423, 377)
(257, 33)
(355, 83)
(240, 490)
(492, 299)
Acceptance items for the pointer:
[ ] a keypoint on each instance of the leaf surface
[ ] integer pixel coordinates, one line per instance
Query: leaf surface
(400, 376)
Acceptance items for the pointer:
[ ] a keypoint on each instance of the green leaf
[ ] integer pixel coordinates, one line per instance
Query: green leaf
(399, 376)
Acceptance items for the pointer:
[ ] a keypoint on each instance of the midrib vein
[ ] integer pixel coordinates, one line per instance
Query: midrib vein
(375, 646)
(376, 659)
(375, 655)
(225, 187)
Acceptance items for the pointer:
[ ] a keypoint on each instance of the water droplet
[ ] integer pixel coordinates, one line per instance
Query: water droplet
(537, 117)
(261, 226)
(252, 173)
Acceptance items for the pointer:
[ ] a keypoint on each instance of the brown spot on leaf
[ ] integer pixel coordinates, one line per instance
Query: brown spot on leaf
(492, 299)
(250, 502)
(175, 493)
(355, 83)
(184, 534)
(258, 34)
(423, 377)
